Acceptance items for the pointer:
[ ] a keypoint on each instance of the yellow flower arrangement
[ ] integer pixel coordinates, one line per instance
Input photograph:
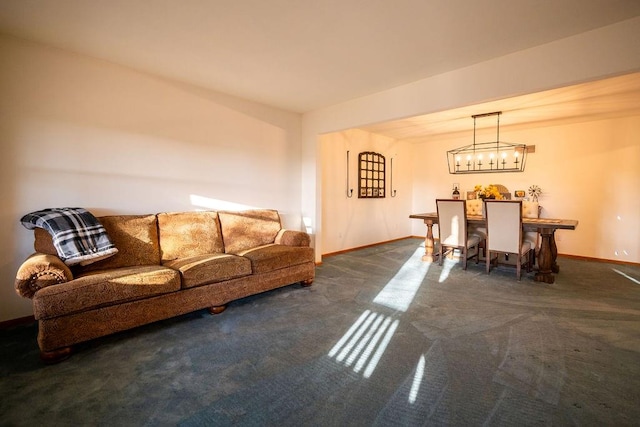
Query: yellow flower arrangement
(488, 192)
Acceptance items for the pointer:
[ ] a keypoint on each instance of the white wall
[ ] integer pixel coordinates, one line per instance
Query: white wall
(588, 171)
(75, 131)
(593, 55)
(350, 222)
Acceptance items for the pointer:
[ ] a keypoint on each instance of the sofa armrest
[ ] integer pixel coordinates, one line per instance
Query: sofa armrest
(39, 271)
(292, 238)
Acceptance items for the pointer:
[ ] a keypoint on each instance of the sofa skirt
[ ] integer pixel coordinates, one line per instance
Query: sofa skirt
(59, 332)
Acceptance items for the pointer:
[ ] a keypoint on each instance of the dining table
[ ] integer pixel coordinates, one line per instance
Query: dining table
(547, 227)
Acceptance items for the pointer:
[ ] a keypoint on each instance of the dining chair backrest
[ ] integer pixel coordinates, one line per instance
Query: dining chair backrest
(474, 207)
(531, 209)
(504, 225)
(452, 222)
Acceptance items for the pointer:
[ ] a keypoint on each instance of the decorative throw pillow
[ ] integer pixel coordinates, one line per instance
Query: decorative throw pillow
(78, 237)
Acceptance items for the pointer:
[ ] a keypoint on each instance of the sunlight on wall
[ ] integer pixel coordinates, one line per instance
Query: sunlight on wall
(206, 203)
(307, 225)
(621, 253)
(399, 292)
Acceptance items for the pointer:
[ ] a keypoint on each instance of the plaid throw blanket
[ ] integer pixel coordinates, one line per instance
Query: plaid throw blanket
(77, 235)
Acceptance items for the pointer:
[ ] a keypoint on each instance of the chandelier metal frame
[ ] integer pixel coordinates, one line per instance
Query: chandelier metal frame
(487, 157)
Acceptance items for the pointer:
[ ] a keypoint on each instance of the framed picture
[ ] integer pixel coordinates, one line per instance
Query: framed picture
(519, 194)
(471, 195)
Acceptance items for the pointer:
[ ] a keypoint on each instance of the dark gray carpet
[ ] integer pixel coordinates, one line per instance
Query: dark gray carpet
(381, 338)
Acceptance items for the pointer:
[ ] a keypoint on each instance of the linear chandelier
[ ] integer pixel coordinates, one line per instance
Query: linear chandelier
(486, 157)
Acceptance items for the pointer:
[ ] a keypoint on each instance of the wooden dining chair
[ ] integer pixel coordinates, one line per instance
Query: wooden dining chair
(531, 209)
(505, 234)
(452, 226)
(474, 208)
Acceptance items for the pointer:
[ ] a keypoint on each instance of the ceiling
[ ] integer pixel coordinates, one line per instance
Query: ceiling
(613, 97)
(301, 55)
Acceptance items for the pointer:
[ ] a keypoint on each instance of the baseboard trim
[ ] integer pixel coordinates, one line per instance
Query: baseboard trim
(604, 260)
(576, 257)
(6, 324)
(367, 246)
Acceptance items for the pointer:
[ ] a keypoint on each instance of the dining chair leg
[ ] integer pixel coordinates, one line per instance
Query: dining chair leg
(532, 259)
(488, 260)
(441, 254)
(464, 258)
(518, 266)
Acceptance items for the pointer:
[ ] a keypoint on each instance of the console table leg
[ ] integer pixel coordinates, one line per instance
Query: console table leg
(554, 252)
(545, 258)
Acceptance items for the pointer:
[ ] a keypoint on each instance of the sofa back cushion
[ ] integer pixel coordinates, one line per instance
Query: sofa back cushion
(248, 229)
(188, 234)
(135, 237)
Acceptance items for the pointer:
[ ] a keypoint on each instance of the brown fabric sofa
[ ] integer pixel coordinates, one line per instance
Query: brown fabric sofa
(167, 264)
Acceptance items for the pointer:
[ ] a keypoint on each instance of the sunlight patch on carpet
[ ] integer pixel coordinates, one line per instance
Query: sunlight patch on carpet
(417, 380)
(636, 281)
(365, 342)
(446, 268)
(399, 292)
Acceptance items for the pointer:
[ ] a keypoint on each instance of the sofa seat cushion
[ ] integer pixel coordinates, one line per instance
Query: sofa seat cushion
(274, 257)
(205, 269)
(104, 288)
